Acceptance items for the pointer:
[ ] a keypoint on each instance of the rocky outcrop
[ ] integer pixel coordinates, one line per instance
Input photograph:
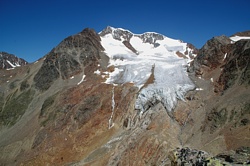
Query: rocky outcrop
(240, 156)
(8, 61)
(118, 34)
(129, 46)
(151, 38)
(245, 33)
(190, 157)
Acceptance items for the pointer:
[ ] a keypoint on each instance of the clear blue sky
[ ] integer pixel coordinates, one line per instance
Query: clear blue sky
(31, 28)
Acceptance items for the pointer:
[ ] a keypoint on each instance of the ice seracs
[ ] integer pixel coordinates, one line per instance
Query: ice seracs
(169, 80)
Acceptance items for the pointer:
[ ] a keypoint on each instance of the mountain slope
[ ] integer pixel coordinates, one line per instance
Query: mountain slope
(118, 98)
(218, 114)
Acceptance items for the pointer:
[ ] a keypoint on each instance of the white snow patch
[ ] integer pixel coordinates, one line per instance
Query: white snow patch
(212, 80)
(98, 72)
(17, 64)
(35, 62)
(237, 38)
(225, 56)
(72, 77)
(81, 79)
(105, 72)
(11, 64)
(199, 89)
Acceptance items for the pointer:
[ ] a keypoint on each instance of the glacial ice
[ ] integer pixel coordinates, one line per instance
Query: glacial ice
(169, 71)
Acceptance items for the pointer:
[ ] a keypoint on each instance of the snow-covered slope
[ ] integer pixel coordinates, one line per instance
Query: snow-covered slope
(150, 61)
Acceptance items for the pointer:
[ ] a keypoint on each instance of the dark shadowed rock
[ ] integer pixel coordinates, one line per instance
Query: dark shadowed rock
(69, 58)
(150, 37)
(211, 54)
(237, 67)
(117, 34)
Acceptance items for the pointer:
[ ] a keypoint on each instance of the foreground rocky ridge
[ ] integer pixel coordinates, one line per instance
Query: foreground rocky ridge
(59, 111)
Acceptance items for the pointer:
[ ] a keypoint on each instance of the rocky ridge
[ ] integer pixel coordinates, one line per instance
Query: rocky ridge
(148, 37)
(9, 61)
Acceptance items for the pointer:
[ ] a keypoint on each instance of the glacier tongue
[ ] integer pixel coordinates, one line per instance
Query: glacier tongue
(171, 83)
(167, 71)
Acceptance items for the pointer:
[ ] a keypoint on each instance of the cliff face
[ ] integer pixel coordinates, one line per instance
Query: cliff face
(61, 110)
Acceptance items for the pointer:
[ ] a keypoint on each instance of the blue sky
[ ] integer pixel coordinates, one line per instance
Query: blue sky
(31, 28)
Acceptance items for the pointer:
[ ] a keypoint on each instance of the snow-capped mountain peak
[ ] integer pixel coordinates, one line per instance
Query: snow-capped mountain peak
(10, 61)
(153, 62)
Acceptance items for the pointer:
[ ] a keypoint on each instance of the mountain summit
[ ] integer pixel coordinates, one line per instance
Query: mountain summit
(119, 98)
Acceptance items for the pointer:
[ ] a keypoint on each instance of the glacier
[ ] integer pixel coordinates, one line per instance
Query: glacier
(169, 79)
